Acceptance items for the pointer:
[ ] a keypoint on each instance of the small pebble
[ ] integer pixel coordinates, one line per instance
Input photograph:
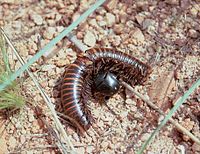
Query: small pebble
(99, 18)
(37, 19)
(22, 139)
(30, 152)
(172, 2)
(35, 127)
(123, 17)
(110, 19)
(138, 35)
(100, 124)
(118, 28)
(49, 33)
(130, 101)
(31, 118)
(22, 49)
(193, 33)
(181, 148)
(61, 62)
(12, 142)
(194, 10)
(17, 25)
(93, 23)
(59, 28)
(111, 4)
(79, 35)
(145, 137)
(188, 124)
(17, 65)
(52, 72)
(146, 23)
(89, 39)
(124, 114)
(134, 109)
(116, 40)
(104, 144)
(50, 15)
(80, 150)
(58, 17)
(47, 68)
(44, 84)
(89, 149)
(18, 125)
(51, 83)
(102, 23)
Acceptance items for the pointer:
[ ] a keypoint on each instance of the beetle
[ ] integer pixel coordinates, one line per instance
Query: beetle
(106, 83)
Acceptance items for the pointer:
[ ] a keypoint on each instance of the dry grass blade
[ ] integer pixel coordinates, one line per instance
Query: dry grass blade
(53, 134)
(152, 105)
(4, 54)
(47, 100)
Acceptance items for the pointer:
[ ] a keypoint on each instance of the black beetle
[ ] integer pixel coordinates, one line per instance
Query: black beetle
(106, 83)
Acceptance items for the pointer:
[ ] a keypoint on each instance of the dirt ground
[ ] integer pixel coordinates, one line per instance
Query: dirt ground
(164, 34)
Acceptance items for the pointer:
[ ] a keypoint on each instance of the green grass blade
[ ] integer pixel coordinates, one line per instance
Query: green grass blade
(51, 44)
(4, 76)
(10, 99)
(169, 115)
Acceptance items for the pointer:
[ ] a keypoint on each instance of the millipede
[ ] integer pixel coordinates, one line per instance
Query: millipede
(124, 66)
(74, 92)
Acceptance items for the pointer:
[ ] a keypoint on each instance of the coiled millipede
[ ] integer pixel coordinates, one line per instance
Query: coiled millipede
(98, 78)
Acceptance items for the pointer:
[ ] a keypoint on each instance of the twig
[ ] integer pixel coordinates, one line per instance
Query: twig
(152, 105)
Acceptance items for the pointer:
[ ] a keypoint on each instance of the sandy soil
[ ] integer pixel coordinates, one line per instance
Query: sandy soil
(164, 34)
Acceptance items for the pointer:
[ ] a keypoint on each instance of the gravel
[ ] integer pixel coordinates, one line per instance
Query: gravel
(156, 33)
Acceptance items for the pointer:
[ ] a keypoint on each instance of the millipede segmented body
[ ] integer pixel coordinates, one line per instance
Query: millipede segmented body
(74, 91)
(124, 66)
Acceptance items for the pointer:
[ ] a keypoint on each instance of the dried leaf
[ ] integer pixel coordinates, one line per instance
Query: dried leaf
(162, 87)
